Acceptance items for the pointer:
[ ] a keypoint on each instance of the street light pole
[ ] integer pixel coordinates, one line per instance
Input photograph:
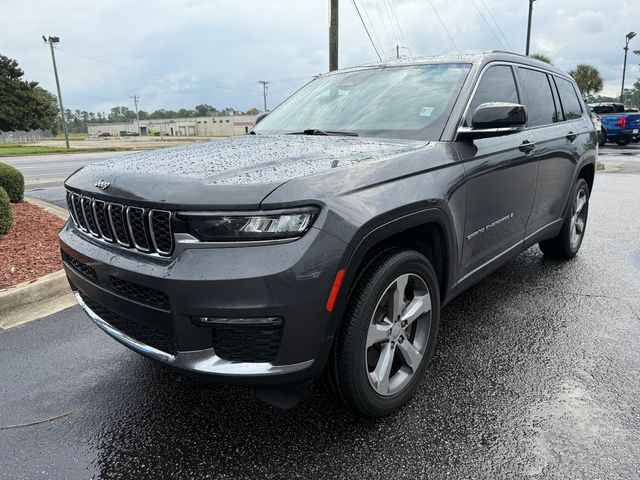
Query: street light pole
(51, 40)
(529, 26)
(629, 36)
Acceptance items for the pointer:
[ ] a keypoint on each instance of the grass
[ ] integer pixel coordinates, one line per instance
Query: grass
(13, 150)
(9, 150)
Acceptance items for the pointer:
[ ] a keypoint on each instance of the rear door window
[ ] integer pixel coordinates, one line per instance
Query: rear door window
(496, 85)
(537, 97)
(570, 103)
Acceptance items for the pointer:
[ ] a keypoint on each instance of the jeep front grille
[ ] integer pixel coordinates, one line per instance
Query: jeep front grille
(146, 230)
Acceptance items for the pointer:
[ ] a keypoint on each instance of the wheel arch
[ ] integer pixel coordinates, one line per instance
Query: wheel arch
(588, 172)
(428, 231)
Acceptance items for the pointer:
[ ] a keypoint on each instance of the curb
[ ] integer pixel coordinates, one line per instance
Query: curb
(49, 207)
(33, 300)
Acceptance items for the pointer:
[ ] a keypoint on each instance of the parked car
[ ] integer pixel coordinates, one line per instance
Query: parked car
(324, 244)
(597, 123)
(617, 125)
(636, 138)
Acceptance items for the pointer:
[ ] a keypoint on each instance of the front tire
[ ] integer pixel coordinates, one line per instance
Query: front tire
(567, 243)
(387, 335)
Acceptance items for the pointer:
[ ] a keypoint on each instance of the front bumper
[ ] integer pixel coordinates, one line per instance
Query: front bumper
(290, 281)
(201, 361)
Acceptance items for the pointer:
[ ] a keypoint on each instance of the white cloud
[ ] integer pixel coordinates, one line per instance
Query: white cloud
(215, 51)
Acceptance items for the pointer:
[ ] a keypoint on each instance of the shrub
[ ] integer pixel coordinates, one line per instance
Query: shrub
(12, 181)
(6, 218)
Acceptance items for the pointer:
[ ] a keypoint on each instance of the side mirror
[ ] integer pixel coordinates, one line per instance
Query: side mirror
(260, 117)
(493, 120)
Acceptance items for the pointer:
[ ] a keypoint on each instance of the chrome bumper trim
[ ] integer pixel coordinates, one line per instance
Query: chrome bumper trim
(200, 361)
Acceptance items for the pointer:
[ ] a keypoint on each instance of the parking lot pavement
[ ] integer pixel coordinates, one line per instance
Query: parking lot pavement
(536, 374)
(623, 159)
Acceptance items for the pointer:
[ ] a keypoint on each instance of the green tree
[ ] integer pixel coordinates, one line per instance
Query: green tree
(205, 110)
(23, 105)
(252, 111)
(588, 79)
(542, 57)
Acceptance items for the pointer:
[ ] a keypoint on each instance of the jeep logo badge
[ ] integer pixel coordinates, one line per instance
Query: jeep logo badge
(102, 184)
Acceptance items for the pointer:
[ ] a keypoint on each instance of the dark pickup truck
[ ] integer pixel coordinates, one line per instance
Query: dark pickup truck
(325, 243)
(618, 125)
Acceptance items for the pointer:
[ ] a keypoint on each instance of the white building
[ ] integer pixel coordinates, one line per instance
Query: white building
(220, 126)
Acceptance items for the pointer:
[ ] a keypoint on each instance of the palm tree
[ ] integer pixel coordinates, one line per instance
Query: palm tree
(588, 79)
(542, 57)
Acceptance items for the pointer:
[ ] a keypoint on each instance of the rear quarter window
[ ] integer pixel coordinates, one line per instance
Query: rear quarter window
(569, 98)
(537, 97)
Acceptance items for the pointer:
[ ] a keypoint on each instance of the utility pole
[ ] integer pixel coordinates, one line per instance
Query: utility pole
(264, 92)
(629, 36)
(529, 26)
(397, 51)
(51, 40)
(333, 36)
(135, 101)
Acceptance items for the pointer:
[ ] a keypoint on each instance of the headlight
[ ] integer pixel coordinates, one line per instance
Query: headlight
(239, 227)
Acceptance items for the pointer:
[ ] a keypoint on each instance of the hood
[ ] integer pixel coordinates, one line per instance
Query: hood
(238, 172)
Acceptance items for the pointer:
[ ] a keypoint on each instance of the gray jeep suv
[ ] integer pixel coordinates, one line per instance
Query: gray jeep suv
(324, 244)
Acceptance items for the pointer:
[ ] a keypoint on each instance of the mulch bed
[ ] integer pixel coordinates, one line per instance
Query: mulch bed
(31, 249)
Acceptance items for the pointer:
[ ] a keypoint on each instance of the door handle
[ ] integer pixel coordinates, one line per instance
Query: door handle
(527, 146)
(571, 136)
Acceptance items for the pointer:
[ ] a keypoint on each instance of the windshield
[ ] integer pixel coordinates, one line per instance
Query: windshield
(410, 102)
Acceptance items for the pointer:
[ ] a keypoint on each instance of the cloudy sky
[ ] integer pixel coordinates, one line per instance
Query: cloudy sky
(215, 51)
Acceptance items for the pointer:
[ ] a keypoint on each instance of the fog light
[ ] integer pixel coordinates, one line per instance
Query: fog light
(237, 322)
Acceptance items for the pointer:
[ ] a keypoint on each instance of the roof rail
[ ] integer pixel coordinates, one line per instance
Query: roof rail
(510, 53)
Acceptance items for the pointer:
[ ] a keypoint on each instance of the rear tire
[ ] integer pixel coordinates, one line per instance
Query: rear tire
(387, 336)
(567, 243)
(622, 141)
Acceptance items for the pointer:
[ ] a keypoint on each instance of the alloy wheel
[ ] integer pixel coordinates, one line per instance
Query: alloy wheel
(398, 334)
(578, 219)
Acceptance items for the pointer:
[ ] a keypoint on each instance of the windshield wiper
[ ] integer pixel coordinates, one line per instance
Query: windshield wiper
(315, 131)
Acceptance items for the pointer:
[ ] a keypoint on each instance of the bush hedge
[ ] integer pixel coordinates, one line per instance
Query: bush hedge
(12, 181)
(6, 217)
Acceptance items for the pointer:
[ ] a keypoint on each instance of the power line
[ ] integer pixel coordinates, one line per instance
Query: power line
(169, 77)
(366, 29)
(444, 26)
(400, 29)
(368, 20)
(497, 25)
(394, 29)
(502, 45)
(384, 25)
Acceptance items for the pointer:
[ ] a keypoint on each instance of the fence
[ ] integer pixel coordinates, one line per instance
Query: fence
(19, 136)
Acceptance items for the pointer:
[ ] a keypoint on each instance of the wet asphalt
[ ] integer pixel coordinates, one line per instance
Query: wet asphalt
(536, 375)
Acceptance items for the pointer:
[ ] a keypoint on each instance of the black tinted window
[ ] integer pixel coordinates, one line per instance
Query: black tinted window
(600, 109)
(570, 103)
(496, 85)
(537, 97)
